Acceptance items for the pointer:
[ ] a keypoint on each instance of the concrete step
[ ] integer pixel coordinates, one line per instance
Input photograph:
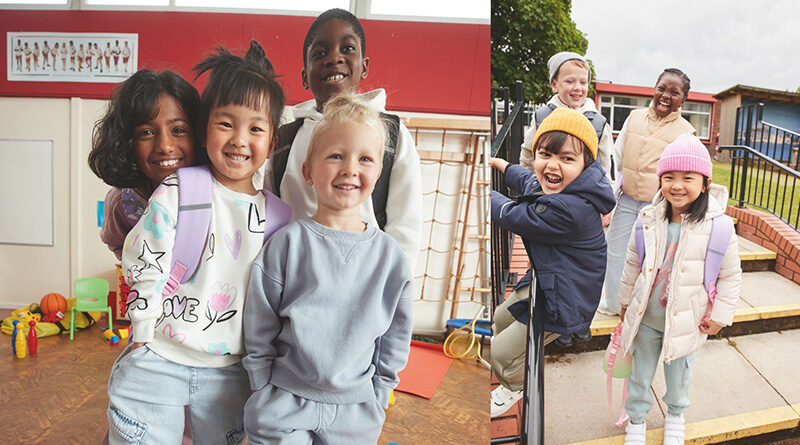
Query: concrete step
(768, 302)
(744, 387)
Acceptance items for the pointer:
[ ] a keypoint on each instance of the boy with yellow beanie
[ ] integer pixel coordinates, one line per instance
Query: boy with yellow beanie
(558, 217)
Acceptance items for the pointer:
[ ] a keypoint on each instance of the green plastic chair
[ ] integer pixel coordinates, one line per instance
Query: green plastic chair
(91, 295)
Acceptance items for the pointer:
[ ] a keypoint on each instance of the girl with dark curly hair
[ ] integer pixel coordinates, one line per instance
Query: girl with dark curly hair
(146, 135)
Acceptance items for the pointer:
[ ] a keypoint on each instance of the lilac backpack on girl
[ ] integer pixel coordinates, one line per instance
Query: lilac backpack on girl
(194, 219)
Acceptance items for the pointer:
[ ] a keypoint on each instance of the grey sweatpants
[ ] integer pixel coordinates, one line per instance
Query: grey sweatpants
(274, 416)
(508, 343)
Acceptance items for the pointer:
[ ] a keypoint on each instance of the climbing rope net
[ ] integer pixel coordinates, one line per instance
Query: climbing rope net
(452, 277)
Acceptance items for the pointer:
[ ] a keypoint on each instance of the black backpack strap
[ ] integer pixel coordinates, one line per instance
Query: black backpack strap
(598, 122)
(381, 192)
(280, 156)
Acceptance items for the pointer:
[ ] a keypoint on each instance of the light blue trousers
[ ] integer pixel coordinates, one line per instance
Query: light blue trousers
(147, 395)
(677, 374)
(277, 417)
(617, 237)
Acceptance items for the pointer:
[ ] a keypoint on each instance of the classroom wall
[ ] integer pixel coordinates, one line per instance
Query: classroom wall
(426, 67)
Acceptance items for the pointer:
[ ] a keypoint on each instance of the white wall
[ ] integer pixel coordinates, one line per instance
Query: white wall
(29, 272)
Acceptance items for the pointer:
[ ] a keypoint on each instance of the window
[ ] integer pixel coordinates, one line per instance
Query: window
(699, 115)
(617, 108)
(297, 5)
(477, 11)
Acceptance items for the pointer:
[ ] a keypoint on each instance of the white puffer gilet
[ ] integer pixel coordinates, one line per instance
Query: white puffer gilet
(687, 297)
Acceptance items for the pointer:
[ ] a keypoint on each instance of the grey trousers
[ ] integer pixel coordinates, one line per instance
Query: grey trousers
(273, 416)
(509, 342)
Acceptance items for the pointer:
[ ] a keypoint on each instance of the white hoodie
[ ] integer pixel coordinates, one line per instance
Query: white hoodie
(404, 203)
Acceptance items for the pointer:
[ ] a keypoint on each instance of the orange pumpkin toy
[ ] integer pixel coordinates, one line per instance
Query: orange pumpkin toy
(53, 307)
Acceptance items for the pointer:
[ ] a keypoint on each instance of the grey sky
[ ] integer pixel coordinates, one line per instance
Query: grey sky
(717, 43)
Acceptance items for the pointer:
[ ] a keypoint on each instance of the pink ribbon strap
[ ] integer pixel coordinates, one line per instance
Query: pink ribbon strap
(614, 347)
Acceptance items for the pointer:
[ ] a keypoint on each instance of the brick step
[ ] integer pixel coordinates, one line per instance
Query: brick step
(742, 390)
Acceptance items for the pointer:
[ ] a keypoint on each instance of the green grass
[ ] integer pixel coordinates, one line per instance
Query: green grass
(766, 186)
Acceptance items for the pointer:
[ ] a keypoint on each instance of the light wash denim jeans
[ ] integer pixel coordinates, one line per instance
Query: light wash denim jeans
(147, 395)
(677, 375)
(617, 238)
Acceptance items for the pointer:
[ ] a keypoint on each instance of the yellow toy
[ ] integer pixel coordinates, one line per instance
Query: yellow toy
(24, 315)
(20, 344)
(123, 333)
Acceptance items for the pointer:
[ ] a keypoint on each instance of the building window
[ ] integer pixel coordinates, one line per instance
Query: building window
(699, 115)
(617, 108)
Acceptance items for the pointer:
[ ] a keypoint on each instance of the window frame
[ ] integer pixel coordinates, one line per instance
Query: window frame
(612, 105)
(360, 8)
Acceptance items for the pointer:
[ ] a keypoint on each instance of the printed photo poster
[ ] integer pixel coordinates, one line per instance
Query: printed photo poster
(71, 57)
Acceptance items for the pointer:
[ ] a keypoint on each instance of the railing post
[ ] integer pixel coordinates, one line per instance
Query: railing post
(532, 430)
(743, 179)
(515, 136)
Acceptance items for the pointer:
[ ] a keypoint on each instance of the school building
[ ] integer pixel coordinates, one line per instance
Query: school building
(615, 102)
(779, 108)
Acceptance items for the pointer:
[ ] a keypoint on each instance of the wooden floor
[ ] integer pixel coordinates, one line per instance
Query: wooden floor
(59, 396)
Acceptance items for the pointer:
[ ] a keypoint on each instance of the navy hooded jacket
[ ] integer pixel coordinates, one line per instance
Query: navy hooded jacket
(564, 239)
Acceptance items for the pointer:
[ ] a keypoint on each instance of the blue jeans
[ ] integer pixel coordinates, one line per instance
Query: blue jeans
(617, 238)
(677, 375)
(147, 395)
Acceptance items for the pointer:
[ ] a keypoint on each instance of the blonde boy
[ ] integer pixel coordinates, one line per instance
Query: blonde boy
(328, 310)
(570, 78)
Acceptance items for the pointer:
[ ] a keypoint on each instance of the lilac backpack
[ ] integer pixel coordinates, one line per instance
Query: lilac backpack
(194, 219)
(721, 232)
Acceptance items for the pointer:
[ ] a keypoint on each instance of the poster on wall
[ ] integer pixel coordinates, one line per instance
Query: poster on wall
(71, 57)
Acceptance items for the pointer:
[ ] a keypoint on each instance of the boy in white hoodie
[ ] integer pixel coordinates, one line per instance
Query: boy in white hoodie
(334, 63)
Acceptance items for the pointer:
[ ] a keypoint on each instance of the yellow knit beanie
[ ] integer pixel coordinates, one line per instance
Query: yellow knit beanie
(571, 122)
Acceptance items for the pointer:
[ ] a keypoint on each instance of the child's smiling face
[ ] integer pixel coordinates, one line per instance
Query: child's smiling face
(344, 166)
(668, 94)
(333, 62)
(165, 143)
(571, 84)
(238, 141)
(556, 171)
(681, 189)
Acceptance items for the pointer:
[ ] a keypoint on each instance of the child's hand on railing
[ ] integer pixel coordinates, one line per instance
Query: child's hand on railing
(710, 327)
(498, 164)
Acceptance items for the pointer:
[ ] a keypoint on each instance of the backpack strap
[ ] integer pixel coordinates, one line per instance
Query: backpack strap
(542, 112)
(381, 192)
(598, 122)
(194, 219)
(277, 212)
(279, 157)
(721, 232)
(638, 236)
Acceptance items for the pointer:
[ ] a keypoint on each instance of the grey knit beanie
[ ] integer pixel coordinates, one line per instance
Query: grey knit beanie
(558, 59)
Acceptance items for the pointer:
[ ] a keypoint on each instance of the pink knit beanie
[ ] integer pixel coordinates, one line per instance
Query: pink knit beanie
(685, 154)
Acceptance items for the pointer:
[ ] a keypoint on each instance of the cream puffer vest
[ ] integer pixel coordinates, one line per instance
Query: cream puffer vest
(687, 297)
(646, 136)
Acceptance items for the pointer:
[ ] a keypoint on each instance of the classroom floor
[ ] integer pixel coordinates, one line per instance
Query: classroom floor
(59, 396)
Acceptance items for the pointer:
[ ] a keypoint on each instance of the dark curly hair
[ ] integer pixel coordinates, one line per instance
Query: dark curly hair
(334, 14)
(134, 102)
(248, 81)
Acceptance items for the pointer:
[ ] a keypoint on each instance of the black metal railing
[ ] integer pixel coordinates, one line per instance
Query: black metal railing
(764, 166)
(506, 144)
(759, 181)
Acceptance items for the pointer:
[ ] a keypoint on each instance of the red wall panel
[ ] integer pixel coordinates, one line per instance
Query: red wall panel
(426, 67)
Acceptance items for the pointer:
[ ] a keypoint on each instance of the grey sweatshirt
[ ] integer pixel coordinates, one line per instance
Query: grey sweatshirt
(328, 314)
